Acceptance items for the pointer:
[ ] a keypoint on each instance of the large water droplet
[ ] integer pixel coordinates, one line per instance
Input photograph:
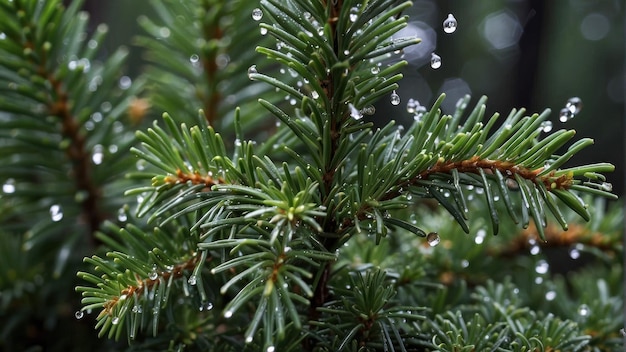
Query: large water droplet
(546, 126)
(56, 212)
(433, 239)
(194, 59)
(354, 14)
(252, 70)
(257, 14)
(574, 105)
(480, 236)
(79, 314)
(193, 279)
(125, 82)
(270, 349)
(97, 154)
(153, 274)
(584, 310)
(228, 314)
(9, 186)
(435, 61)
(263, 31)
(542, 267)
(121, 215)
(449, 24)
(115, 320)
(565, 115)
(395, 98)
(550, 295)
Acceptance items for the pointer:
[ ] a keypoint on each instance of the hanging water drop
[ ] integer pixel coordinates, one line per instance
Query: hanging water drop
(449, 24)
(194, 59)
(395, 98)
(375, 70)
(435, 61)
(574, 105)
(9, 186)
(550, 295)
(433, 239)
(314, 94)
(56, 212)
(542, 267)
(193, 280)
(584, 310)
(115, 321)
(606, 186)
(546, 126)
(252, 70)
(121, 215)
(263, 31)
(565, 115)
(354, 14)
(257, 14)
(153, 274)
(79, 314)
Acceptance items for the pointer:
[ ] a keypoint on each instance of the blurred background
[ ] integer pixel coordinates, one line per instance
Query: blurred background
(520, 53)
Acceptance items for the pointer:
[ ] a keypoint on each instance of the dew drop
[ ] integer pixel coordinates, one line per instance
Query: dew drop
(395, 98)
(153, 274)
(606, 186)
(550, 295)
(257, 14)
(542, 267)
(252, 70)
(194, 59)
(465, 263)
(368, 110)
(314, 94)
(435, 61)
(574, 105)
(565, 115)
(9, 186)
(79, 314)
(125, 82)
(192, 280)
(354, 14)
(412, 105)
(121, 215)
(433, 239)
(449, 24)
(375, 70)
(480, 236)
(205, 306)
(97, 154)
(228, 314)
(56, 212)
(3, 36)
(546, 126)
(137, 309)
(584, 310)
(263, 31)
(115, 321)
(270, 349)
(574, 253)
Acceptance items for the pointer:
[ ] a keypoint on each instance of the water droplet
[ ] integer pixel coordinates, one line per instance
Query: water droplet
(465, 263)
(375, 70)
(395, 98)
(125, 82)
(164, 32)
(584, 310)
(121, 215)
(565, 115)
(270, 349)
(546, 126)
(574, 105)
(192, 280)
(354, 14)
(314, 95)
(368, 110)
(153, 274)
(137, 309)
(412, 105)
(435, 61)
(9, 186)
(480, 236)
(115, 321)
(542, 267)
(56, 212)
(449, 24)
(194, 58)
(252, 70)
(205, 306)
(3, 36)
(535, 249)
(257, 14)
(263, 31)
(354, 112)
(228, 314)
(97, 154)
(433, 239)
(79, 314)
(550, 295)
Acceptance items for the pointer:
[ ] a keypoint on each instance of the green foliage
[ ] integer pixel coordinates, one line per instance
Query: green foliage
(309, 235)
